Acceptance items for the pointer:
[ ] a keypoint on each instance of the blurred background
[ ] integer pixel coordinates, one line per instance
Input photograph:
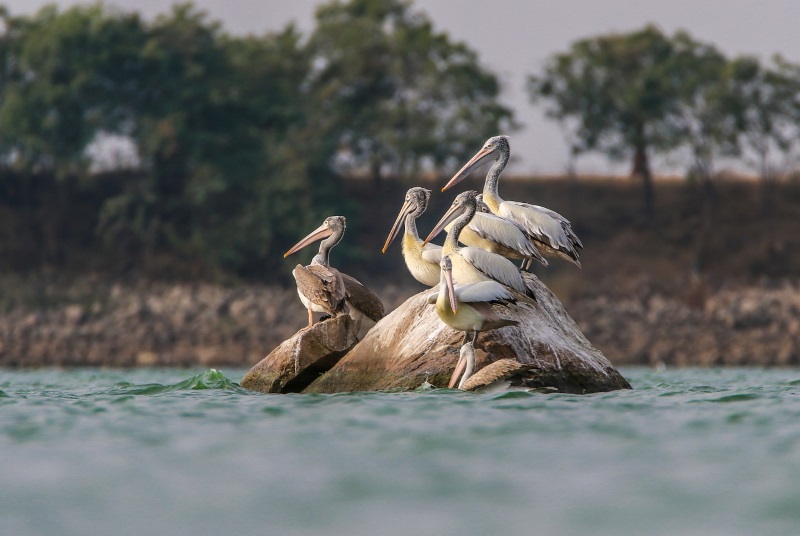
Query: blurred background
(156, 161)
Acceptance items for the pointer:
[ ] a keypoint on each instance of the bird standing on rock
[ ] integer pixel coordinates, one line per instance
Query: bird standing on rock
(471, 264)
(552, 232)
(325, 289)
(470, 308)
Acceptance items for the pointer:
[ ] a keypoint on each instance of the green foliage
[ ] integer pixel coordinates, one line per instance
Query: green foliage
(642, 92)
(394, 95)
(238, 140)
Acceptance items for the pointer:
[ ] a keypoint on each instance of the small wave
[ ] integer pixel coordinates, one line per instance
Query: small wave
(210, 379)
(741, 397)
(4, 395)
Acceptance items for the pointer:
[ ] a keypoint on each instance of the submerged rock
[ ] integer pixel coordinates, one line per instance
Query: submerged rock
(298, 361)
(411, 346)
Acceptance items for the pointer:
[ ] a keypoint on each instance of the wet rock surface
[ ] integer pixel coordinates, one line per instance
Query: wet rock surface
(301, 359)
(412, 345)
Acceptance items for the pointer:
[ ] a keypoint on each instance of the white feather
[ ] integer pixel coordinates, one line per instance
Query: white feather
(432, 253)
(494, 267)
(485, 291)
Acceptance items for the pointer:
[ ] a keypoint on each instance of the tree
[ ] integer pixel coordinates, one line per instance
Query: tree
(767, 115)
(392, 95)
(623, 91)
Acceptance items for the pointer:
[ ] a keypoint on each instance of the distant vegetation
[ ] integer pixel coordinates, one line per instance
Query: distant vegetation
(636, 94)
(238, 143)
(235, 146)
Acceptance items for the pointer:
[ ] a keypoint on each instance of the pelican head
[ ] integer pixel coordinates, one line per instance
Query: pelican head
(480, 205)
(463, 203)
(491, 150)
(446, 266)
(415, 203)
(465, 355)
(332, 226)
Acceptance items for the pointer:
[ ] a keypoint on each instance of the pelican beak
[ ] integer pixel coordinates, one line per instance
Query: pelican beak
(323, 231)
(407, 207)
(474, 162)
(459, 370)
(452, 213)
(451, 289)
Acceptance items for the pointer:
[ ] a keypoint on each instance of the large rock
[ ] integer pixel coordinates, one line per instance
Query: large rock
(298, 361)
(412, 345)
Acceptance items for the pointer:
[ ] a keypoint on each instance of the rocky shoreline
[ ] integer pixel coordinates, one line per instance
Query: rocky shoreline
(91, 324)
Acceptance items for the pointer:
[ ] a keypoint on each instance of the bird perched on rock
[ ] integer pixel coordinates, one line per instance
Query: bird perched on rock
(323, 288)
(470, 308)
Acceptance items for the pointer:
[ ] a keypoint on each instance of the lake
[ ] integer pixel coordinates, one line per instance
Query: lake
(172, 452)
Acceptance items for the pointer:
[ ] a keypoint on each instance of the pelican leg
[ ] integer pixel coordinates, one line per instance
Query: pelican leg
(310, 319)
(522, 264)
(466, 338)
(475, 338)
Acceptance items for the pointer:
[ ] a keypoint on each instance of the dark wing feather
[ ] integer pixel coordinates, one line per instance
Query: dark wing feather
(322, 285)
(363, 299)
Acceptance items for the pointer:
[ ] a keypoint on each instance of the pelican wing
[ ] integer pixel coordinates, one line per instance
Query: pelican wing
(565, 224)
(322, 285)
(504, 232)
(495, 267)
(540, 225)
(432, 253)
(362, 298)
(485, 291)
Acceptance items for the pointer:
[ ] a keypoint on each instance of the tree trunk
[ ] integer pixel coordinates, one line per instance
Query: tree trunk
(375, 171)
(709, 202)
(641, 169)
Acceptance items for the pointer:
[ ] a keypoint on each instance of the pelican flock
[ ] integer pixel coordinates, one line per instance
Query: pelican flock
(477, 281)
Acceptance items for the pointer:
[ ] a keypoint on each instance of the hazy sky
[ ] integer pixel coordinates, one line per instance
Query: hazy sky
(515, 37)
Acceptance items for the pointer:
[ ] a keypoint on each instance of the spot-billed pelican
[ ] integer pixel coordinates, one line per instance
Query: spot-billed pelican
(498, 235)
(497, 376)
(471, 264)
(470, 308)
(319, 284)
(422, 260)
(552, 232)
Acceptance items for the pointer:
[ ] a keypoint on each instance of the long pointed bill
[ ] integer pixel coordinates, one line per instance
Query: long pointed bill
(460, 366)
(474, 162)
(323, 231)
(451, 290)
(396, 227)
(453, 213)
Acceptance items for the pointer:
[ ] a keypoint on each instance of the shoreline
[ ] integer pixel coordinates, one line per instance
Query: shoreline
(160, 324)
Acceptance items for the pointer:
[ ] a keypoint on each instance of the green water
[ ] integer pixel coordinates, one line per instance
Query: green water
(172, 452)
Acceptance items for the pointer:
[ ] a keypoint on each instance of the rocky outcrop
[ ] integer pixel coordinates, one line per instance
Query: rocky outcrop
(298, 361)
(412, 345)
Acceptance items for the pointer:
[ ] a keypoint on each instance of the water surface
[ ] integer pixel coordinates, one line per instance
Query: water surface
(124, 452)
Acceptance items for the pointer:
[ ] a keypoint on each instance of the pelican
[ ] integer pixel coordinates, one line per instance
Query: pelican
(471, 264)
(552, 232)
(320, 287)
(469, 308)
(497, 376)
(422, 260)
(498, 235)
(319, 280)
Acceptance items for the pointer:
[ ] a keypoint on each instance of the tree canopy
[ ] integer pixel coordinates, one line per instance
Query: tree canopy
(632, 95)
(229, 132)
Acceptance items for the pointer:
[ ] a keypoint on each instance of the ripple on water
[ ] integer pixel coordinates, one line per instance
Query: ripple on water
(95, 449)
